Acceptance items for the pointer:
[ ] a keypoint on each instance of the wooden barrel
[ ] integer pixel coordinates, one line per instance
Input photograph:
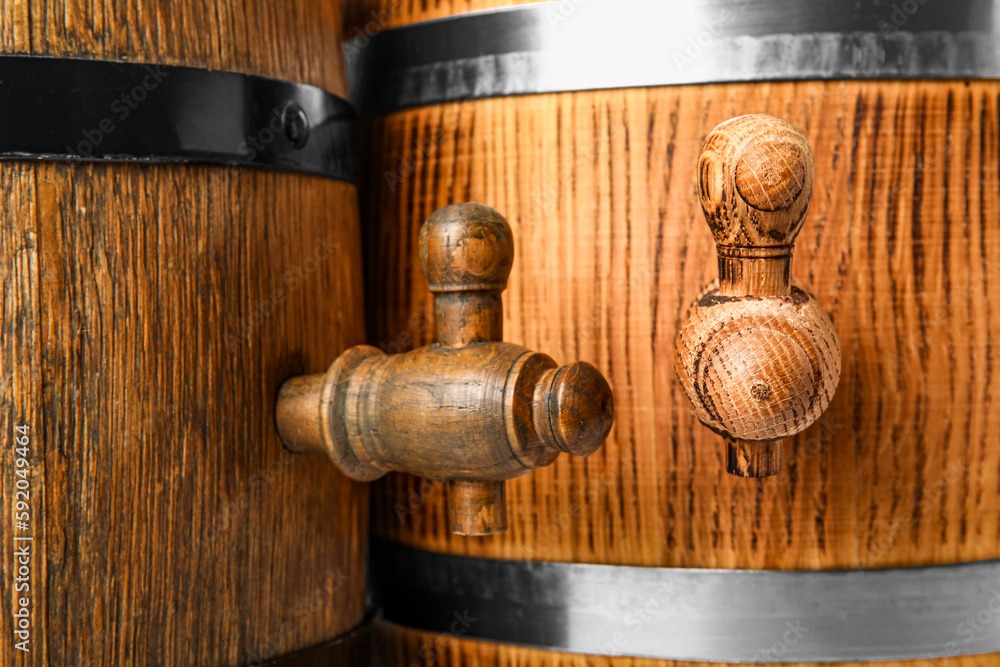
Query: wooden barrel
(900, 246)
(152, 307)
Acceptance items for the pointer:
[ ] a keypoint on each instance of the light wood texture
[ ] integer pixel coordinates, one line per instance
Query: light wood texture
(755, 181)
(901, 248)
(757, 356)
(469, 409)
(150, 314)
(402, 646)
(758, 368)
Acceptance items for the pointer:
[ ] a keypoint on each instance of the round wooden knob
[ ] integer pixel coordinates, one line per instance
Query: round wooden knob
(758, 369)
(757, 356)
(466, 247)
(756, 178)
(466, 251)
(577, 408)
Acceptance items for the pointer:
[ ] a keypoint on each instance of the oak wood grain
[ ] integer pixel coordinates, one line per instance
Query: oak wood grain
(900, 247)
(170, 522)
(298, 41)
(150, 314)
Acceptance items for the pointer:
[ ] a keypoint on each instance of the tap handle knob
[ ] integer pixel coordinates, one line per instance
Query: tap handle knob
(466, 252)
(757, 355)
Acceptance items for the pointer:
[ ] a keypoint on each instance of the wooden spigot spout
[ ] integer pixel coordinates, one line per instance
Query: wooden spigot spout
(470, 409)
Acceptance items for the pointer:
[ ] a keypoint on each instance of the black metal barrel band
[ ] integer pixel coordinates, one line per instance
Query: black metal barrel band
(96, 110)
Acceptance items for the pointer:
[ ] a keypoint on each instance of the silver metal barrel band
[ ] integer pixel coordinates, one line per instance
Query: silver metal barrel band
(692, 614)
(567, 45)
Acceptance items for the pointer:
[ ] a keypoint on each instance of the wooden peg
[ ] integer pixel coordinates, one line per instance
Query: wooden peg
(757, 356)
(478, 508)
(471, 409)
(466, 252)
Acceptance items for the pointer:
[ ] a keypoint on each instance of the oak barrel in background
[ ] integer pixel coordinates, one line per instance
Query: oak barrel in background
(150, 313)
(901, 247)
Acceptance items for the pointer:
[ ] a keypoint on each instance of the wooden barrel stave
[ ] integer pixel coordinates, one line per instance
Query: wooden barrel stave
(298, 41)
(600, 190)
(611, 248)
(149, 319)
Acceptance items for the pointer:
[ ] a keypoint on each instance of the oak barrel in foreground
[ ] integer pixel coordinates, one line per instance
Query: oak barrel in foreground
(150, 313)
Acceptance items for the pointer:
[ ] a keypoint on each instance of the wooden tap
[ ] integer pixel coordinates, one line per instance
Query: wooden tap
(470, 409)
(757, 355)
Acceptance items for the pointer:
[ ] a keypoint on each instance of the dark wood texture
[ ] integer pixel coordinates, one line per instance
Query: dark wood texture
(298, 41)
(170, 523)
(469, 409)
(478, 508)
(900, 247)
(757, 356)
(150, 314)
(351, 649)
(752, 458)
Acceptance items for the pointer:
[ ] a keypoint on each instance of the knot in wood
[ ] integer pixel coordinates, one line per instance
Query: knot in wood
(760, 390)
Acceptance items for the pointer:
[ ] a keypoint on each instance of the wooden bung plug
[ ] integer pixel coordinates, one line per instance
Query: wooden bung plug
(471, 409)
(757, 356)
